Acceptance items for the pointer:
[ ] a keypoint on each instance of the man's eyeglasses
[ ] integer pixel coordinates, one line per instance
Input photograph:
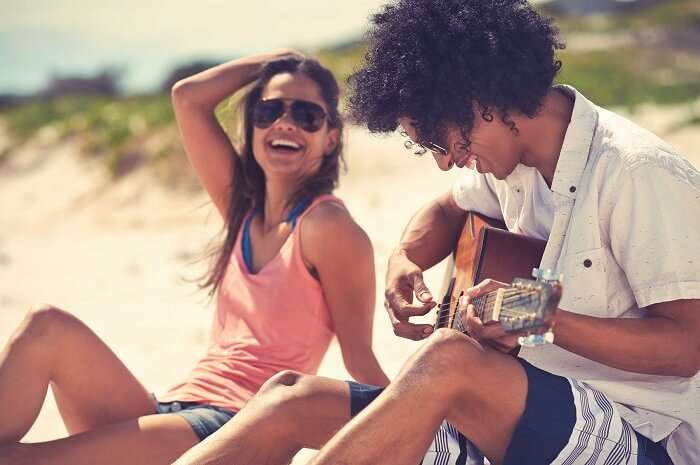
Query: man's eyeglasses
(421, 149)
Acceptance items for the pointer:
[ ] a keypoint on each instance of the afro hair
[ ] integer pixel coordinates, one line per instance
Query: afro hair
(433, 60)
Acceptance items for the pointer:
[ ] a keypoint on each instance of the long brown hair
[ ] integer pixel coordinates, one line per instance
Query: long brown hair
(248, 183)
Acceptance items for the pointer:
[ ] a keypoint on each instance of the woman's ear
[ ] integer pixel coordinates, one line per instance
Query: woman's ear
(332, 141)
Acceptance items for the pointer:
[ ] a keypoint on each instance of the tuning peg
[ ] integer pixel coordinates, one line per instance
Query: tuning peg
(534, 340)
(549, 337)
(545, 275)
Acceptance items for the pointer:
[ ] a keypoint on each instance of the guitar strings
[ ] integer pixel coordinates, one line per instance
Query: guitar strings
(513, 297)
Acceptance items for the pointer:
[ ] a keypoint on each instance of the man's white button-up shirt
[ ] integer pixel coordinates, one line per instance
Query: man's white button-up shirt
(622, 223)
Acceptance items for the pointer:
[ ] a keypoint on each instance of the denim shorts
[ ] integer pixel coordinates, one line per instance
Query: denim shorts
(548, 432)
(204, 419)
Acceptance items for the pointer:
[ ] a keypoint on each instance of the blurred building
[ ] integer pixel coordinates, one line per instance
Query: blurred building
(103, 83)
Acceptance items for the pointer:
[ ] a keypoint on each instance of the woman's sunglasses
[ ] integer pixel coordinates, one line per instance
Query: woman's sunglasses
(308, 116)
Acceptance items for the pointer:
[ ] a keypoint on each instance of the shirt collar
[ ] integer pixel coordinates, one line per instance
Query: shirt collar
(577, 144)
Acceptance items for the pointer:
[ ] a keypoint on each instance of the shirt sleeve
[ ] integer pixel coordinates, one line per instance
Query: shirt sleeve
(655, 232)
(474, 192)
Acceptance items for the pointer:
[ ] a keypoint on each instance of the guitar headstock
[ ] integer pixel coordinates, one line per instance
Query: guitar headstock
(528, 306)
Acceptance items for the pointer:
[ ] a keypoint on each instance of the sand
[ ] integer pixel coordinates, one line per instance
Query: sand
(119, 256)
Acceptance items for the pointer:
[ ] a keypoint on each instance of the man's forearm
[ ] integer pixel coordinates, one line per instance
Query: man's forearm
(432, 233)
(652, 345)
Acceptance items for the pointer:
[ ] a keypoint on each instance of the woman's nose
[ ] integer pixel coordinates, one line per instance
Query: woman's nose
(285, 121)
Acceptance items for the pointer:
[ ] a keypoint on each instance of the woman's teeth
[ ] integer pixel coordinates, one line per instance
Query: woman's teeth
(284, 144)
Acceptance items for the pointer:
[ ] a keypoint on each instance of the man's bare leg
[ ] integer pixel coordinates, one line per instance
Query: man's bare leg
(480, 391)
(291, 412)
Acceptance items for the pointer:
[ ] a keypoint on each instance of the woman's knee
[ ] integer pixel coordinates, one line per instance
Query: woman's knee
(282, 381)
(293, 389)
(43, 322)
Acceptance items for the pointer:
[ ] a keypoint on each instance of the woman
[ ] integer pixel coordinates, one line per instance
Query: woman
(294, 269)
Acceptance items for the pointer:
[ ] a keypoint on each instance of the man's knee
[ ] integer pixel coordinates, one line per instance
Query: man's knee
(448, 353)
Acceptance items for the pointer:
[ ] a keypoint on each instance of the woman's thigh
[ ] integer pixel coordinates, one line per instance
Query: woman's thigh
(92, 386)
(148, 440)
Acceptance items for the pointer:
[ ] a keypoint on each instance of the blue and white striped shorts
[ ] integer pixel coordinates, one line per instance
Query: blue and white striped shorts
(565, 422)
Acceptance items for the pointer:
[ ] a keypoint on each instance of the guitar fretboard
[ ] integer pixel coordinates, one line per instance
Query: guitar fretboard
(487, 307)
(483, 305)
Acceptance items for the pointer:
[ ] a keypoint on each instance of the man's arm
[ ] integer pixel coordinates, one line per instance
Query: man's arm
(433, 232)
(429, 237)
(665, 342)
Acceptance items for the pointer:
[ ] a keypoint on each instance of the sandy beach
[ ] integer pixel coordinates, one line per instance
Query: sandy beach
(120, 256)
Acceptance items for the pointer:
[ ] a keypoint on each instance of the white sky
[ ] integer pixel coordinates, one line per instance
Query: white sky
(192, 26)
(146, 38)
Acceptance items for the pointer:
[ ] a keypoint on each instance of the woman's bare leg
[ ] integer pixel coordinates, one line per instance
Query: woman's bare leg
(149, 440)
(291, 412)
(91, 385)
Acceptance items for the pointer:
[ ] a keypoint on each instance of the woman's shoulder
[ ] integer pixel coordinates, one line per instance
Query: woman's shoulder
(328, 225)
(329, 215)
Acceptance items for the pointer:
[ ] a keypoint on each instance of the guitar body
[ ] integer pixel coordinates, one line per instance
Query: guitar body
(485, 249)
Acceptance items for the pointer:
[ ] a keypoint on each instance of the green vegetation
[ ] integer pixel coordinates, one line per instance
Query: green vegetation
(670, 14)
(343, 59)
(115, 129)
(111, 120)
(628, 77)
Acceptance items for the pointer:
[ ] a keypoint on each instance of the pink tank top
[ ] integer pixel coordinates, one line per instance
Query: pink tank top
(273, 320)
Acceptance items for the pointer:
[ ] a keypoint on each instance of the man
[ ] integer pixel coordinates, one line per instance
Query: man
(472, 82)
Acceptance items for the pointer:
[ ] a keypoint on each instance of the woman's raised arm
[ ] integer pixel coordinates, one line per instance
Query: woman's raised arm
(207, 145)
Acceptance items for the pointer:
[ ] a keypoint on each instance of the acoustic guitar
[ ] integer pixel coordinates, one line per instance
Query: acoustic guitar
(485, 249)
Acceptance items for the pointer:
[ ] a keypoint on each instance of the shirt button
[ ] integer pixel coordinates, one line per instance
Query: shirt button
(572, 189)
(587, 263)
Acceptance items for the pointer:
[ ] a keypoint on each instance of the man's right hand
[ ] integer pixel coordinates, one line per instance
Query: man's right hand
(404, 279)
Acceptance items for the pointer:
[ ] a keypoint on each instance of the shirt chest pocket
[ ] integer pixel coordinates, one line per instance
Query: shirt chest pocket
(585, 282)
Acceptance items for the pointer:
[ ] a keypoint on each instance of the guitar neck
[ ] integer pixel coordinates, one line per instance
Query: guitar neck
(489, 307)
(486, 307)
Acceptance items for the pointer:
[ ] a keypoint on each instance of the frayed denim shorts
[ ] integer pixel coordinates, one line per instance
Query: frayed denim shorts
(203, 418)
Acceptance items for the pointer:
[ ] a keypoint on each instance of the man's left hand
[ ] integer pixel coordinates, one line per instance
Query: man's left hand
(491, 333)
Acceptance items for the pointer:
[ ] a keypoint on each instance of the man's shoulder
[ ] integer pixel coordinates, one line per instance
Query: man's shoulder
(622, 147)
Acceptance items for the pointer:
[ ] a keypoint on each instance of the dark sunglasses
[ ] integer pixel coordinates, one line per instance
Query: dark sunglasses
(308, 116)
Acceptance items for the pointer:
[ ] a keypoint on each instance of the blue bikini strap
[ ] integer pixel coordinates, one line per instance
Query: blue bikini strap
(291, 219)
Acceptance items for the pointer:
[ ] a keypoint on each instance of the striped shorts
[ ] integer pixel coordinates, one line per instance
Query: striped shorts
(565, 422)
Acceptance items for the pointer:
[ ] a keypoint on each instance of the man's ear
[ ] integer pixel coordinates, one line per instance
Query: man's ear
(333, 140)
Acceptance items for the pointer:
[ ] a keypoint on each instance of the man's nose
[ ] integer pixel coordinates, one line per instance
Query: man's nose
(444, 162)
